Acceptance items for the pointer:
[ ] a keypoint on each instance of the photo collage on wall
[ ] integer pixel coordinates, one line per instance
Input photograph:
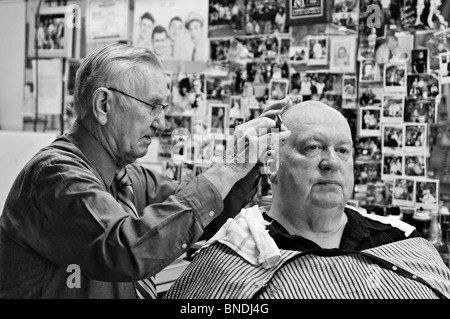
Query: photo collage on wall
(385, 78)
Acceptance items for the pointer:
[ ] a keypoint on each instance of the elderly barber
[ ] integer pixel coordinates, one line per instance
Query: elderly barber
(311, 244)
(81, 207)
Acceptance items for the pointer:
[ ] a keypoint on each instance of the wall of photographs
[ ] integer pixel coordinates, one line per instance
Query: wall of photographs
(385, 78)
(385, 67)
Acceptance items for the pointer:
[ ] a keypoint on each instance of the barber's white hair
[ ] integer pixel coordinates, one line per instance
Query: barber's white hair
(114, 65)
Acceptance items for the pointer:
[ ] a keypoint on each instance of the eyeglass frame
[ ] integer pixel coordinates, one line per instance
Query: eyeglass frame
(153, 106)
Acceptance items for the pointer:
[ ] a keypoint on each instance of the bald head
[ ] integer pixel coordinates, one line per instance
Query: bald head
(314, 113)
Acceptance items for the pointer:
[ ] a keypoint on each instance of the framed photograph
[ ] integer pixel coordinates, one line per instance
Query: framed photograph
(392, 165)
(370, 95)
(254, 113)
(420, 111)
(302, 12)
(278, 89)
(345, 22)
(393, 107)
(427, 193)
(219, 49)
(367, 71)
(444, 67)
(285, 44)
(298, 54)
(394, 79)
(349, 87)
(236, 109)
(54, 38)
(172, 170)
(420, 60)
(415, 138)
(367, 172)
(227, 25)
(317, 50)
(415, 165)
(368, 148)
(235, 121)
(423, 86)
(392, 138)
(376, 194)
(343, 54)
(404, 192)
(218, 115)
(182, 25)
(369, 120)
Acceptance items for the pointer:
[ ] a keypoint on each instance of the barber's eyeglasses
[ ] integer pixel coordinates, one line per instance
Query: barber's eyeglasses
(155, 109)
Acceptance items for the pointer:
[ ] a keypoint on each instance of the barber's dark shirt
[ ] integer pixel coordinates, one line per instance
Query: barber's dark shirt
(359, 233)
(62, 210)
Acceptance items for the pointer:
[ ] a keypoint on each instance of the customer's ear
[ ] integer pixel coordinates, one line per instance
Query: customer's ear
(100, 105)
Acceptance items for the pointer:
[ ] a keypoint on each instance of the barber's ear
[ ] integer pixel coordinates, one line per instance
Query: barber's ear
(101, 104)
(274, 178)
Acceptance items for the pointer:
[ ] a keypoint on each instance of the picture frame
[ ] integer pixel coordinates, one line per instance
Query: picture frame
(427, 193)
(415, 137)
(317, 50)
(420, 60)
(392, 136)
(218, 118)
(57, 39)
(367, 71)
(420, 111)
(369, 121)
(392, 165)
(394, 79)
(404, 192)
(349, 87)
(298, 54)
(393, 108)
(415, 165)
(343, 54)
(278, 89)
(300, 12)
(444, 67)
(172, 170)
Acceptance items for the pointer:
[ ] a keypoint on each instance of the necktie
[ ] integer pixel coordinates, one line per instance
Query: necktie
(193, 54)
(145, 288)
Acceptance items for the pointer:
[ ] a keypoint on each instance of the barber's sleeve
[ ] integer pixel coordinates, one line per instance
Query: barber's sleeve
(240, 195)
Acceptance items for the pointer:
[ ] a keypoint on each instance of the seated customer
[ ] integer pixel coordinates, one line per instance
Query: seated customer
(310, 244)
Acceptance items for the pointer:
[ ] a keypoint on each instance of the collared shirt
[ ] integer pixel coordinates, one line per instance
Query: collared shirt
(359, 233)
(62, 211)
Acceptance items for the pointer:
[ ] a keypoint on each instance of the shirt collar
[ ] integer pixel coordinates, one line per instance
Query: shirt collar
(94, 151)
(355, 231)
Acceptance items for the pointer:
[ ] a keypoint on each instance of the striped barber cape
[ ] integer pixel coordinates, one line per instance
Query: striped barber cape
(406, 269)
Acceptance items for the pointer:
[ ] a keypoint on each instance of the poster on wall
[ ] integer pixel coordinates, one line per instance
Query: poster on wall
(50, 77)
(107, 20)
(55, 38)
(174, 30)
(307, 11)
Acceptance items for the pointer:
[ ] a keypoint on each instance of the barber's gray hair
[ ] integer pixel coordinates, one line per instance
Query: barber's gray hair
(117, 65)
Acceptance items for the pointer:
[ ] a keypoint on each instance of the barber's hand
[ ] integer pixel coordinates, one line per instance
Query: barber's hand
(252, 140)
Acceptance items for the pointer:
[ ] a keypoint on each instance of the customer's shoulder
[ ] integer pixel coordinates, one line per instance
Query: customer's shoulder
(381, 222)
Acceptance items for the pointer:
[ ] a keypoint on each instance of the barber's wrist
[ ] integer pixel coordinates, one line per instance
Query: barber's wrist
(223, 177)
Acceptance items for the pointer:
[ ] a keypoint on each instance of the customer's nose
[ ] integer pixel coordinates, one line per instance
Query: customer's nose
(329, 160)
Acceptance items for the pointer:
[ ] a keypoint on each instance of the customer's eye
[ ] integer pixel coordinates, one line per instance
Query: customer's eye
(313, 149)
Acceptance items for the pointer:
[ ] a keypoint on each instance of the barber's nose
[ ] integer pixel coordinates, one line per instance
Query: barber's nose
(330, 160)
(160, 122)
